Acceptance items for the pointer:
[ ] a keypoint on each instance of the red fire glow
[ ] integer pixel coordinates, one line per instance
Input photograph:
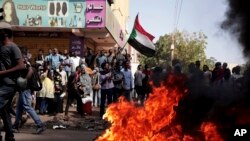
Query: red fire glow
(153, 121)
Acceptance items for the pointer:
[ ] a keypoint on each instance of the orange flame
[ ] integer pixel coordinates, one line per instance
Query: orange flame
(153, 122)
(210, 132)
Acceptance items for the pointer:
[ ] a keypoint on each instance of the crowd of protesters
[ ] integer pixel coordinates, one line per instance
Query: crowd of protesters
(70, 80)
(103, 77)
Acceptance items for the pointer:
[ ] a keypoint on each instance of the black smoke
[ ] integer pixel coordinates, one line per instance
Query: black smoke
(238, 22)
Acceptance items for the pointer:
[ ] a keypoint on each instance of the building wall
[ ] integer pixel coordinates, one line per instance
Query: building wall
(35, 43)
(120, 9)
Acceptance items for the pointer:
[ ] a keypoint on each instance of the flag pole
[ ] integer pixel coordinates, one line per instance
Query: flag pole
(121, 49)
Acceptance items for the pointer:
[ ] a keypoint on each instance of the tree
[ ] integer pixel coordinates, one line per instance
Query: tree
(210, 62)
(188, 48)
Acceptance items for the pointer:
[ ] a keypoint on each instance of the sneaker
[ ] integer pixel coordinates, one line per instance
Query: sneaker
(62, 126)
(55, 127)
(39, 130)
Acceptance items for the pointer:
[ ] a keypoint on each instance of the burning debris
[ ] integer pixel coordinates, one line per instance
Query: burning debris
(181, 109)
(158, 120)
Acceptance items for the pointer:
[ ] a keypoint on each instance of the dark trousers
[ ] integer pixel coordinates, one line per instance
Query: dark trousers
(126, 94)
(6, 95)
(117, 94)
(50, 107)
(105, 93)
(72, 94)
(141, 93)
(79, 104)
(58, 103)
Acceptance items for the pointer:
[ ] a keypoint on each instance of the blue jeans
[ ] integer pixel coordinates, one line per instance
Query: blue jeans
(6, 95)
(43, 105)
(24, 103)
(96, 97)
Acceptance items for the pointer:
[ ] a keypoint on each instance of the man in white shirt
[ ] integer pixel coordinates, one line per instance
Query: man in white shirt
(63, 74)
(75, 61)
(67, 62)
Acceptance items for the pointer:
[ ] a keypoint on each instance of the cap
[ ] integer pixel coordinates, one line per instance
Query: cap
(4, 25)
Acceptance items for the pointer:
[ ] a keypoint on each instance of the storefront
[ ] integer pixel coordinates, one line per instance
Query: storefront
(64, 24)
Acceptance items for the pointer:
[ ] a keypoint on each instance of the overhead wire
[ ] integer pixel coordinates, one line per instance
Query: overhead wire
(175, 14)
(179, 13)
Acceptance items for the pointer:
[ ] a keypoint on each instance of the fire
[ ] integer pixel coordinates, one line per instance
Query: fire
(210, 131)
(152, 122)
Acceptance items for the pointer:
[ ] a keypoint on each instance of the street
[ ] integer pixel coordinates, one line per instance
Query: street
(56, 135)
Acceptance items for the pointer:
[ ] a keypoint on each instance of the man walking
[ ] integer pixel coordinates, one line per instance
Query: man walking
(10, 63)
(25, 101)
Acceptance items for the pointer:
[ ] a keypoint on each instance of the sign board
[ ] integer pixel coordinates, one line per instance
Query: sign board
(95, 13)
(44, 13)
(76, 45)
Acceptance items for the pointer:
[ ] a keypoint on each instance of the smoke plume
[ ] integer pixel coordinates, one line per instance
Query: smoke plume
(238, 22)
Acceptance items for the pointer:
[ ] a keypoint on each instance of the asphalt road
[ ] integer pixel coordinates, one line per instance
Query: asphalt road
(56, 135)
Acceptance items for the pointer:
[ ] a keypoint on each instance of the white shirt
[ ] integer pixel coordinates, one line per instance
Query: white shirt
(76, 62)
(64, 77)
(67, 62)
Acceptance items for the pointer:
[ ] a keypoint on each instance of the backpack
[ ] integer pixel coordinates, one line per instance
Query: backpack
(34, 82)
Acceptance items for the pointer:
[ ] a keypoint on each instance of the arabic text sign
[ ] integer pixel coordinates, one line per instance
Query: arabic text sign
(77, 45)
(95, 13)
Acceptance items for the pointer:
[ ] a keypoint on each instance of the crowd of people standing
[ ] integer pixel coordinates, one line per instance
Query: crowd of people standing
(101, 76)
